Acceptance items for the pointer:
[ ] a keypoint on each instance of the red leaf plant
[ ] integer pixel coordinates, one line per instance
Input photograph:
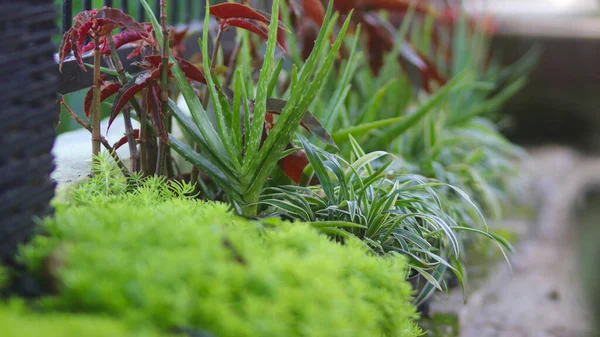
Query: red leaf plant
(97, 24)
(148, 80)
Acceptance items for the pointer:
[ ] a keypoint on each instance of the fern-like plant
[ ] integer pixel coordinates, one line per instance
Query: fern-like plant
(157, 259)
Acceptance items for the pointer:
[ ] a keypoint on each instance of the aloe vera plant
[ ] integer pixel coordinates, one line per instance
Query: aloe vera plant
(231, 152)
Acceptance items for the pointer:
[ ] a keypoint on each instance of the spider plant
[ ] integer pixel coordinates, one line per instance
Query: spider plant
(391, 213)
(449, 134)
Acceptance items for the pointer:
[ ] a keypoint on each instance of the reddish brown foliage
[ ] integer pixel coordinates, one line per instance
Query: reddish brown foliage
(96, 23)
(245, 17)
(107, 89)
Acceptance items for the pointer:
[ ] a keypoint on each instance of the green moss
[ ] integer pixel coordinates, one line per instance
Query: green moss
(17, 321)
(173, 262)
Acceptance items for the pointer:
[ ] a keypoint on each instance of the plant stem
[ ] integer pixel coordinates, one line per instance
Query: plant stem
(133, 152)
(164, 88)
(231, 65)
(103, 140)
(215, 52)
(95, 125)
(144, 138)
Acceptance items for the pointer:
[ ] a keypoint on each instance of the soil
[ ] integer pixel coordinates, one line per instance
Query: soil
(543, 295)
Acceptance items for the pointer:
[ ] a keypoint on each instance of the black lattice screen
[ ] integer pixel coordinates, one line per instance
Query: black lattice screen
(27, 117)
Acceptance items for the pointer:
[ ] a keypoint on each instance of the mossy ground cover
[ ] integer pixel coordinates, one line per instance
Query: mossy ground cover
(17, 320)
(152, 259)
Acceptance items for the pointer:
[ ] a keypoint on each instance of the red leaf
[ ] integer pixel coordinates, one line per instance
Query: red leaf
(135, 53)
(245, 17)
(191, 71)
(176, 39)
(381, 39)
(78, 33)
(154, 61)
(259, 29)
(111, 18)
(65, 47)
(314, 10)
(345, 6)
(120, 39)
(96, 24)
(123, 141)
(107, 89)
(126, 93)
(230, 10)
(188, 69)
(293, 165)
(427, 70)
(310, 32)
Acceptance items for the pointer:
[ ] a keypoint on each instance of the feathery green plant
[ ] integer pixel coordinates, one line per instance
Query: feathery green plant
(178, 263)
(16, 320)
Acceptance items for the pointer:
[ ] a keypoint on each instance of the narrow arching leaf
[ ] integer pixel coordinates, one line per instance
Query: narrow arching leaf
(309, 122)
(424, 109)
(207, 166)
(319, 167)
(360, 130)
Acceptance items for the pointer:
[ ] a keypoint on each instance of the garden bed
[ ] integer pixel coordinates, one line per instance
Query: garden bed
(215, 213)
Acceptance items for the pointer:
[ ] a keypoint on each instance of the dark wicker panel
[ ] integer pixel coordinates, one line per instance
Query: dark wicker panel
(28, 117)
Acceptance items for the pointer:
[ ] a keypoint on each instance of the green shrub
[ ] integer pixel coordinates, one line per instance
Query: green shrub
(17, 321)
(183, 263)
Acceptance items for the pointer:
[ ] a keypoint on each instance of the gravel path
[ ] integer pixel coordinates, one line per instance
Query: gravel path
(542, 297)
